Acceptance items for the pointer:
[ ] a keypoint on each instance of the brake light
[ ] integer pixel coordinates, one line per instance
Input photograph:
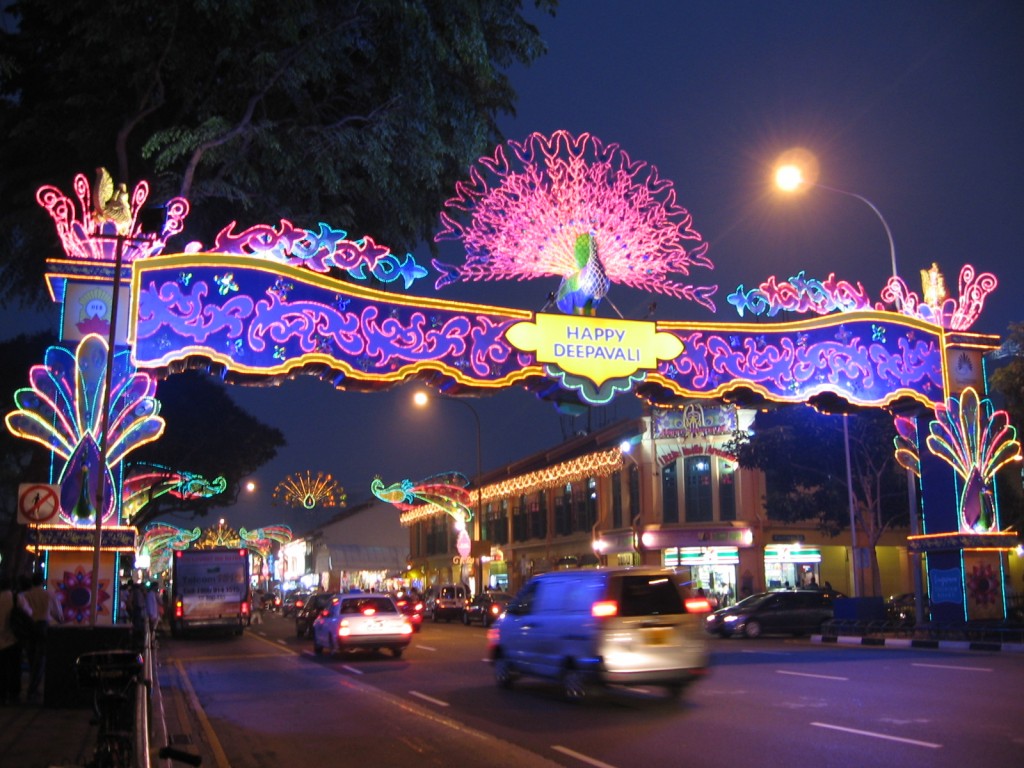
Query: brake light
(418, 607)
(495, 609)
(698, 605)
(277, 601)
(604, 608)
(344, 630)
(406, 626)
(299, 603)
(245, 607)
(369, 611)
(179, 609)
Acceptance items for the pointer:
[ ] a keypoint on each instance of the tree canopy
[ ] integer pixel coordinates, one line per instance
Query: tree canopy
(359, 114)
(803, 455)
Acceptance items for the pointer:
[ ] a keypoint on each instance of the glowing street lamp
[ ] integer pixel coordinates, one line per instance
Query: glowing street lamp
(797, 170)
(421, 399)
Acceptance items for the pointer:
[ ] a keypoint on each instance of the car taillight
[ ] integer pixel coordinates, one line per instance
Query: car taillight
(495, 609)
(604, 608)
(406, 626)
(299, 603)
(179, 609)
(418, 607)
(369, 611)
(698, 605)
(344, 630)
(245, 607)
(277, 601)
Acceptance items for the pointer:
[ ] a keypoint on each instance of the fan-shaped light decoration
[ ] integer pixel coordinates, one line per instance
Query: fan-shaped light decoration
(262, 539)
(62, 410)
(442, 493)
(572, 207)
(146, 482)
(304, 490)
(976, 446)
(220, 535)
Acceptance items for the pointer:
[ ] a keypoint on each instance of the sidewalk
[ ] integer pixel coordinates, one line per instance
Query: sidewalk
(34, 736)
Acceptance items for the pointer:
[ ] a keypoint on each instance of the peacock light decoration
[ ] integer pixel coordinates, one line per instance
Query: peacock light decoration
(976, 446)
(62, 410)
(304, 490)
(146, 482)
(262, 540)
(576, 208)
(446, 492)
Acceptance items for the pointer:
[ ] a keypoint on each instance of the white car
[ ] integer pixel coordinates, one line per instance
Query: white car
(363, 621)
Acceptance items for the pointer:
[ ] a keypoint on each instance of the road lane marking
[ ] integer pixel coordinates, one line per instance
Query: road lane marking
(808, 674)
(426, 647)
(211, 735)
(952, 666)
(768, 653)
(431, 699)
(352, 669)
(581, 757)
(874, 735)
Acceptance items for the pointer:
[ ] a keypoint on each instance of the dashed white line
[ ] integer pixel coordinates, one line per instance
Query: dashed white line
(353, 670)
(874, 735)
(431, 699)
(808, 674)
(952, 666)
(426, 647)
(581, 757)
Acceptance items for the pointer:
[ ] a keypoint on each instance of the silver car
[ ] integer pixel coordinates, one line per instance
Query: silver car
(362, 621)
(609, 626)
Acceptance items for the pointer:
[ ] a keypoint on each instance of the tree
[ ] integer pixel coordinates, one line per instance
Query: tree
(803, 456)
(206, 434)
(360, 114)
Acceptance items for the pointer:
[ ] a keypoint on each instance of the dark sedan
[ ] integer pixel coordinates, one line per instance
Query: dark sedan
(306, 615)
(795, 612)
(486, 608)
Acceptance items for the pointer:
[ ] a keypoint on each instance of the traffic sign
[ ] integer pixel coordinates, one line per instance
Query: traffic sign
(37, 503)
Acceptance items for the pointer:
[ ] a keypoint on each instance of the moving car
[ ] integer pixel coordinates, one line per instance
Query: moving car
(362, 621)
(486, 608)
(311, 608)
(448, 602)
(608, 626)
(411, 606)
(792, 612)
(293, 603)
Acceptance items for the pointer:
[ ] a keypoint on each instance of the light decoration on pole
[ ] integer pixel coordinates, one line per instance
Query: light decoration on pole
(146, 482)
(976, 443)
(306, 491)
(444, 493)
(62, 411)
(572, 207)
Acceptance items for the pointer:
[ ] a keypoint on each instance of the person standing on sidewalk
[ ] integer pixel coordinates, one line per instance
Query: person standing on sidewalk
(43, 607)
(10, 647)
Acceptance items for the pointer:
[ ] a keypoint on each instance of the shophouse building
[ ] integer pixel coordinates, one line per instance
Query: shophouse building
(662, 489)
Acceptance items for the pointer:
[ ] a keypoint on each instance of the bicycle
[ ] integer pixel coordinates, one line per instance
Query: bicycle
(113, 677)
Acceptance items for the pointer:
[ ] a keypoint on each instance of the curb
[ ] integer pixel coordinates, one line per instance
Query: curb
(905, 642)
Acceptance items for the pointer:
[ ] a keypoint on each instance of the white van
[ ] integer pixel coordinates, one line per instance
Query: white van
(448, 602)
(610, 626)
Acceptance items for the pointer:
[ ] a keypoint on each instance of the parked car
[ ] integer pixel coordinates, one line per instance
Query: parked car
(311, 608)
(792, 612)
(486, 608)
(609, 626)
(448, 601)
(293, 602)
(412, 606)
(361, 621)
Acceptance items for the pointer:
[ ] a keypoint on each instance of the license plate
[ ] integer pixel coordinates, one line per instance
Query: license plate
(657, 636)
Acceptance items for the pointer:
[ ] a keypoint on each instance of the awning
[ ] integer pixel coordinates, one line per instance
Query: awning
(356, 557)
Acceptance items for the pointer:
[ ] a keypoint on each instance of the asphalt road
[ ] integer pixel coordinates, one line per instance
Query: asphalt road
(265, 700)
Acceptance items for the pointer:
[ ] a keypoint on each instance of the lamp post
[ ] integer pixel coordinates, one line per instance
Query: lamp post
(796, 171)
(420, 399)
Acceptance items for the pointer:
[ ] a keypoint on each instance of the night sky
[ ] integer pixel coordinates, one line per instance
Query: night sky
(916, 106)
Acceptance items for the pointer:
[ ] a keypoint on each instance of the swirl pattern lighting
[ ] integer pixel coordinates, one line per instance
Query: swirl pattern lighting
(304, 490)
(444, 493)
(576, 208)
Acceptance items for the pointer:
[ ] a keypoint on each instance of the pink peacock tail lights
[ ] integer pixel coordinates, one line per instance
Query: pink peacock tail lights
(976, 445)
(89, 230)
(576, 208)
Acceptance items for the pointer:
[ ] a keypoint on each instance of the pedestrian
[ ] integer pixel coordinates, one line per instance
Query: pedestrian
(137, 609)
(44, 608)
(10, 646)
(152, 611)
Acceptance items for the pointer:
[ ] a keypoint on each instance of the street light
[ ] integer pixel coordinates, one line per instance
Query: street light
(420, 399)
(795, 171)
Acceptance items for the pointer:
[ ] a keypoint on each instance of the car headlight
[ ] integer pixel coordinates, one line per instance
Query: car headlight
(731, 618)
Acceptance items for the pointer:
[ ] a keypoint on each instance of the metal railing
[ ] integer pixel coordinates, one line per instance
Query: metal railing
(995, 633)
